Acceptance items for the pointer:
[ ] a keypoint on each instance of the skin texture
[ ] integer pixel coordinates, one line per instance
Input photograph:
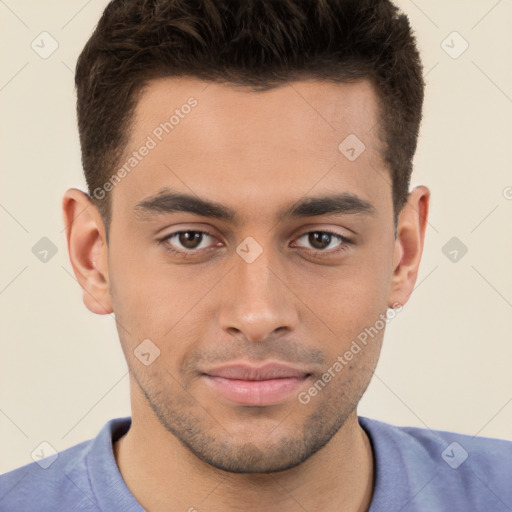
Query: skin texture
(255, 153)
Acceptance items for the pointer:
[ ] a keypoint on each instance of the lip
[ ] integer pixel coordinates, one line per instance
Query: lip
(247, 384)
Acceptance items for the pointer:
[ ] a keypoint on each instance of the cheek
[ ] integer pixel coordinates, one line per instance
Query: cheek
(346, 299)
(144, 301)
(158, 302)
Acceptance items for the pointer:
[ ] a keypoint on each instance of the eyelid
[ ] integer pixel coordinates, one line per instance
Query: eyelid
(344, 241)
(167, 237)
(324, 231)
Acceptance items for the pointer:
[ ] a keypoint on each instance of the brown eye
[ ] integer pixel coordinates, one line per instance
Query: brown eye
(319, 240)
(190, 239)
(186, 242)
(325, 241)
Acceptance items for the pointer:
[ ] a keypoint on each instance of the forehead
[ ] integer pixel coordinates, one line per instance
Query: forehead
(226, 142)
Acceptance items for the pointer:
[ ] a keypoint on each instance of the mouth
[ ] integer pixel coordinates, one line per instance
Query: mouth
(246, 384)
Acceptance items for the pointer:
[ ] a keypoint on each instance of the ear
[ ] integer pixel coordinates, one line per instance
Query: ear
(411, 227)
(88, 251)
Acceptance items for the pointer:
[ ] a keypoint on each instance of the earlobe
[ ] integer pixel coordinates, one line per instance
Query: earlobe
(87, 248)
(412, 223)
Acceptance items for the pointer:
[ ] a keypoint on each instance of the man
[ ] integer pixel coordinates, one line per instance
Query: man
(249, 221)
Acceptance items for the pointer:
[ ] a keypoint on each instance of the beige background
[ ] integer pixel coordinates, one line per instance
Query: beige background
(446, 361)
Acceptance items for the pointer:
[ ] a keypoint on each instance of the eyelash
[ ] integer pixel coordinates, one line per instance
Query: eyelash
(193, 252)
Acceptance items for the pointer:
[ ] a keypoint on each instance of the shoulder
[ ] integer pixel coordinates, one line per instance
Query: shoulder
(49, 483)
(82, 477)
(451, 447)
(445, 467)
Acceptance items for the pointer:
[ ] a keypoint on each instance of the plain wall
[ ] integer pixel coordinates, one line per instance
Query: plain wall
(446, 361)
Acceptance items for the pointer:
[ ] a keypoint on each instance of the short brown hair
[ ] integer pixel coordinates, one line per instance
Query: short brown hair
(256, 43)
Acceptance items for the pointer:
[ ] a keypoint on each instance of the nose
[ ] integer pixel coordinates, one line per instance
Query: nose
(257, 300)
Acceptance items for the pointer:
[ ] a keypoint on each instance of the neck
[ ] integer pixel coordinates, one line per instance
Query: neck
(164, 475)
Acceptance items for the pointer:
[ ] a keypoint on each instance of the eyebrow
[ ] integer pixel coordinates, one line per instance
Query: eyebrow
(168, 201)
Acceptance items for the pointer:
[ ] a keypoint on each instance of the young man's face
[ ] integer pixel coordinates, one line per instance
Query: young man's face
(259, 287)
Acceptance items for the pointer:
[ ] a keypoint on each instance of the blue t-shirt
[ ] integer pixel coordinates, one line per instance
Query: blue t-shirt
(416, 470)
